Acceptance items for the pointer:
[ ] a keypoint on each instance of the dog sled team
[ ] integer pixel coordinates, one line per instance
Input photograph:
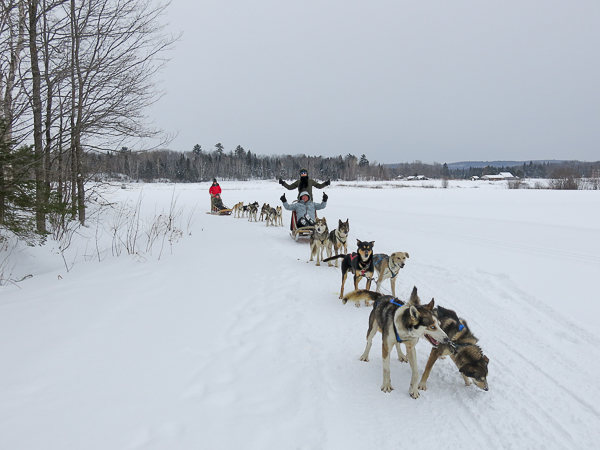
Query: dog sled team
(398, 321)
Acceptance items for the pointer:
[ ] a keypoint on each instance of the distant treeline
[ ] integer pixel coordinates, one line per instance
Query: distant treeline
(239, 164)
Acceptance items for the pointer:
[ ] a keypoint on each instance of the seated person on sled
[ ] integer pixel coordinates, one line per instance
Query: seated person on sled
(217, 203)
(305, 208)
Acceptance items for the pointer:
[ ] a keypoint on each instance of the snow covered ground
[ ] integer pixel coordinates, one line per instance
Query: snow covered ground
(229, 339)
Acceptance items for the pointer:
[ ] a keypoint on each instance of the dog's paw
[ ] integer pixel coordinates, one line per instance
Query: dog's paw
(387, 388)
(414, 393)
(422, 386)
(364, 358)
(357, 304)
(402, 358)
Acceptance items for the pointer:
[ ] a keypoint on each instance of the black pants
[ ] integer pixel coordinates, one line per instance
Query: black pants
(305, 222)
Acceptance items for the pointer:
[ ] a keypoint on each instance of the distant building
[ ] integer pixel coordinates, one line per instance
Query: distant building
(417, 177)
(501, 176)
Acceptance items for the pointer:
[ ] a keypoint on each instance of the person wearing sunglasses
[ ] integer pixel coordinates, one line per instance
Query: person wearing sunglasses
(304, 184)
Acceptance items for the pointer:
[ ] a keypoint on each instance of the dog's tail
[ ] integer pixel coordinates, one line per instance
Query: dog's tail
(361, 294)
(331, 258)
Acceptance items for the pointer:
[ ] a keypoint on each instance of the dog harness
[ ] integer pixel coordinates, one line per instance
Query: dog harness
(337, 235)
(381, 258)
(394, 302)
(353, 257)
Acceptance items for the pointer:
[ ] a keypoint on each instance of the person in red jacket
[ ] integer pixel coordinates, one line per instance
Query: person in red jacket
(215, 188)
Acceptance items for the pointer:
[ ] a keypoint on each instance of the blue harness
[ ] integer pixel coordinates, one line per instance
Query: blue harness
(381, 258)
(395, 329)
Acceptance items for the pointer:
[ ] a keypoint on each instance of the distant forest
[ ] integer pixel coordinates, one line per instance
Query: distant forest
(239, 164)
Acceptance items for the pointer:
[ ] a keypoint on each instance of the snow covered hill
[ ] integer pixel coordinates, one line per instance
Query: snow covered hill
(229, 339)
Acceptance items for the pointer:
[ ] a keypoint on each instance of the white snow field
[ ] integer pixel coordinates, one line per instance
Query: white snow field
(231, 340)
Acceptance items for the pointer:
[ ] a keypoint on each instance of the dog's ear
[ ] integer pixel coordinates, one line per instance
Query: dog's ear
(358, 242)
(414, 313)
(486, 359)
(406, 255)
(430, 305)
(339, 222)
(372, 243)
(468, 370)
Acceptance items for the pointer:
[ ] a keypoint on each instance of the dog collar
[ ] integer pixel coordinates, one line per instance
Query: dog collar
(461, 327)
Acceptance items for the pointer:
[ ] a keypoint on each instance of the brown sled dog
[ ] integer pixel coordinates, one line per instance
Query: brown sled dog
(462, 348)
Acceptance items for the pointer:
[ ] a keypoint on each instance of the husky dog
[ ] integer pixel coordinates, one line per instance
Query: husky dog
(359, 263)
(388, 267)
(270, 216)
(252, 211)
(264, 212)
(404, 323)
(244, 211)
(237, 209)
(339, 238)
(462, 348)
(279, 216)
(319, 241)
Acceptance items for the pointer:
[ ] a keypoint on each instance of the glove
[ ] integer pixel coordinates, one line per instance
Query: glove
(328, 182)
(325, 197)
(281, 181)
(283, 199)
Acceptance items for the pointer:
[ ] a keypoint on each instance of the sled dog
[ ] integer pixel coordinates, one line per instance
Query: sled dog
(279, 216)
(319, 241)
(237, 209)
(388, 267)
(272, 217)
(462, 348)
(264, 212)
(339, 238)
(252, 211)
(404, 323)
(269, 216)
(359, 263)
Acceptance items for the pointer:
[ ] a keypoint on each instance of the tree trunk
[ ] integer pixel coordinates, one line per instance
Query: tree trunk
(36, 103)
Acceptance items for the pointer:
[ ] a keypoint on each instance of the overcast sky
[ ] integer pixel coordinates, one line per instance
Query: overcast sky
(430, 80)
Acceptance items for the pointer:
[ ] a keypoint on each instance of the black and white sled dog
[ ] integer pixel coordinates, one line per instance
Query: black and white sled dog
(359, 263)
(339, 238)
(389, 267)
(319, 241)
(400, 323)
(462, 348)
(253, 211)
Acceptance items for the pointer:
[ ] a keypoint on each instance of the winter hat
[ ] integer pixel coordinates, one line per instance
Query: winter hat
(303, 193)
(304, 170)
(214, 180)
